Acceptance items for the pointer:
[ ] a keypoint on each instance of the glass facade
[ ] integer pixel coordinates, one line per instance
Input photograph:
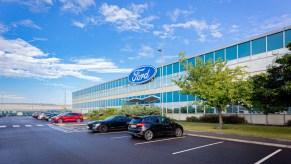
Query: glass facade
(117, 92)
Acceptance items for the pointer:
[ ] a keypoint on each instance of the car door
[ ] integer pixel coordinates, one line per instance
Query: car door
(156, 125)
(167, 125)
(124, 123)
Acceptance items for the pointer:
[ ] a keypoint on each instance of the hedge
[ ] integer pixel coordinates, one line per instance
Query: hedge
(211, 118)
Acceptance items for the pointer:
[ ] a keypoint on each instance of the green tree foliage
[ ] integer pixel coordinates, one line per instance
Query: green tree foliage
(102, 113)
(272, 90)
(215, 84)
(138, 110)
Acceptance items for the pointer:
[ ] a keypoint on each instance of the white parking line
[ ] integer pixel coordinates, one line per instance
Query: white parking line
(2, 126)
(119, 137)
(39, 125)
(269, 156)
(158, 140)
(197, 147)
(15, 126)
(28, 125)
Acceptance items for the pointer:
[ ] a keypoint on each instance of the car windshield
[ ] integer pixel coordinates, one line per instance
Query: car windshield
(110, 118)
(136, 120)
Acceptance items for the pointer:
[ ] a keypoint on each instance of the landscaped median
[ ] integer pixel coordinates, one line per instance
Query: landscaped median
(245, 130)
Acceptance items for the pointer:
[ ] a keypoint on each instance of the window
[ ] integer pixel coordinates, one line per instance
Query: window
(158, 72)
(183, 97)
(231, 53)
(275, 41)
(287, 37)
(182, 67)
(175, 67)
(164, 120)
(208, 56)
(219, 54)
(176, 96)
(192, 61)
(169, 97)
(169, 69)
(191, 98)
(244, 49)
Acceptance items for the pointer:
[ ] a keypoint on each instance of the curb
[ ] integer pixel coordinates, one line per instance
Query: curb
(242, 141)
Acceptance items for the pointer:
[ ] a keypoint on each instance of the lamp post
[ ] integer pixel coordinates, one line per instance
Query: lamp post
(162, 81)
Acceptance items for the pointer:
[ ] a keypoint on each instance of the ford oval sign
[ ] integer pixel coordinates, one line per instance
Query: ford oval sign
(142, 74)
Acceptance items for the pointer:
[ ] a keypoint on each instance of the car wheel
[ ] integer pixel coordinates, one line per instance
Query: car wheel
(148, 135)
(103, 128)
(178, 132)
(78, 120)
(60, 121)
(49, 120)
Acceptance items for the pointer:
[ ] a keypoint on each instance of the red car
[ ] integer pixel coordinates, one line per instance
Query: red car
(68, 117)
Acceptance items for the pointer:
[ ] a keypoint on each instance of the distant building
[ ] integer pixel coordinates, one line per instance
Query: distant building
(22, 107)
(255, 52)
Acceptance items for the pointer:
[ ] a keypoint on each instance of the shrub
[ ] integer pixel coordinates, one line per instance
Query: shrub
(289, 123)
(209, 118)
(192, 119)
(212, 118)
(101, 114)
(138, 110)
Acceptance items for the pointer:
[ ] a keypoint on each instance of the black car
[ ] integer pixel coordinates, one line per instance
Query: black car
(48, 117)
(110, 123)
(148, 127)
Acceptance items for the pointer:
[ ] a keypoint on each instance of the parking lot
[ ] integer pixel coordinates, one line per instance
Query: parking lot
(26, 140)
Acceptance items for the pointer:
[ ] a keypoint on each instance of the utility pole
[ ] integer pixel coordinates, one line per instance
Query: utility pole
(162, 81)
(65, 99)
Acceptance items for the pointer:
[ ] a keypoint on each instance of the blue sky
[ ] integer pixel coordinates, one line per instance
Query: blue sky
(48, 47)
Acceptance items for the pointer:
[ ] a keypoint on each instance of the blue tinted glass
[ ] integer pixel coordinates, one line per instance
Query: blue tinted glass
(158, 72)
(182, 67)
(183, 97)
(287, 37)
(175, 67)
(164, 69)
(259, 46)
(208, 56)
(176, 96)
(200, 57)
(244, 49)
(169, 69)
(158, 95)
(192, 61)
(219, 54)
(231, 53)
(169, 97)
(191, 98)
(275, 41)
(164, 97)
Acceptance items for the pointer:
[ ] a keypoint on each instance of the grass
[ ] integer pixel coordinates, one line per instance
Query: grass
(246, 130)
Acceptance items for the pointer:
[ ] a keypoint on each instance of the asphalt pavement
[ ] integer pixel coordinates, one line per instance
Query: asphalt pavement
(27, 140)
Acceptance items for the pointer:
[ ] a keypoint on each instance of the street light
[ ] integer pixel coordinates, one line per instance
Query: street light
(162, 81)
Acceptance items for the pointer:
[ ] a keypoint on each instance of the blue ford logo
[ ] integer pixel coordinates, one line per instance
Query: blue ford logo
(142, 74)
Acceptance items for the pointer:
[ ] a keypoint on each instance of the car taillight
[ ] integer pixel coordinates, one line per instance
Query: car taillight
(140, 124)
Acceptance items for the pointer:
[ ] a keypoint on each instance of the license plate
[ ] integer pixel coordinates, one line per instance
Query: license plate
(133, 126)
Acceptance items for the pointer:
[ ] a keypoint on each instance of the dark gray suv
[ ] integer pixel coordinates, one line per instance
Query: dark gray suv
(148, 127)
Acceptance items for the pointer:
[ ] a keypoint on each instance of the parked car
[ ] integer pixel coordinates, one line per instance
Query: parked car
(109, 124)
(42, 115)
(68, 117)
(35, 115)
(148, 127)
(48, 117)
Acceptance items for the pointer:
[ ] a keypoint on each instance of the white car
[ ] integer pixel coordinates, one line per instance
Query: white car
(41, 116)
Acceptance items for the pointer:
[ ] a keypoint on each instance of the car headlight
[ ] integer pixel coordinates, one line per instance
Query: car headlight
(96, 125)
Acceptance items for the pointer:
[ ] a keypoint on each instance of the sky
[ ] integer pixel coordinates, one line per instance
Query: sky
(51, 48)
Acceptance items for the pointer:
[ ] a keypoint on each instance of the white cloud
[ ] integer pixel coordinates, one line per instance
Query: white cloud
(27, 23)
(127, 19)
(11, 96)
(234, 28)
(178, 12)
(79, 24)
(33, 5)
(144, 52)
(76, 6)
(38, 39)
(201, 27)
(21, 59)
(3, 28)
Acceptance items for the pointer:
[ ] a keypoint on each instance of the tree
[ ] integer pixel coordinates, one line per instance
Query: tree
(215, 84)
(272, 90)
